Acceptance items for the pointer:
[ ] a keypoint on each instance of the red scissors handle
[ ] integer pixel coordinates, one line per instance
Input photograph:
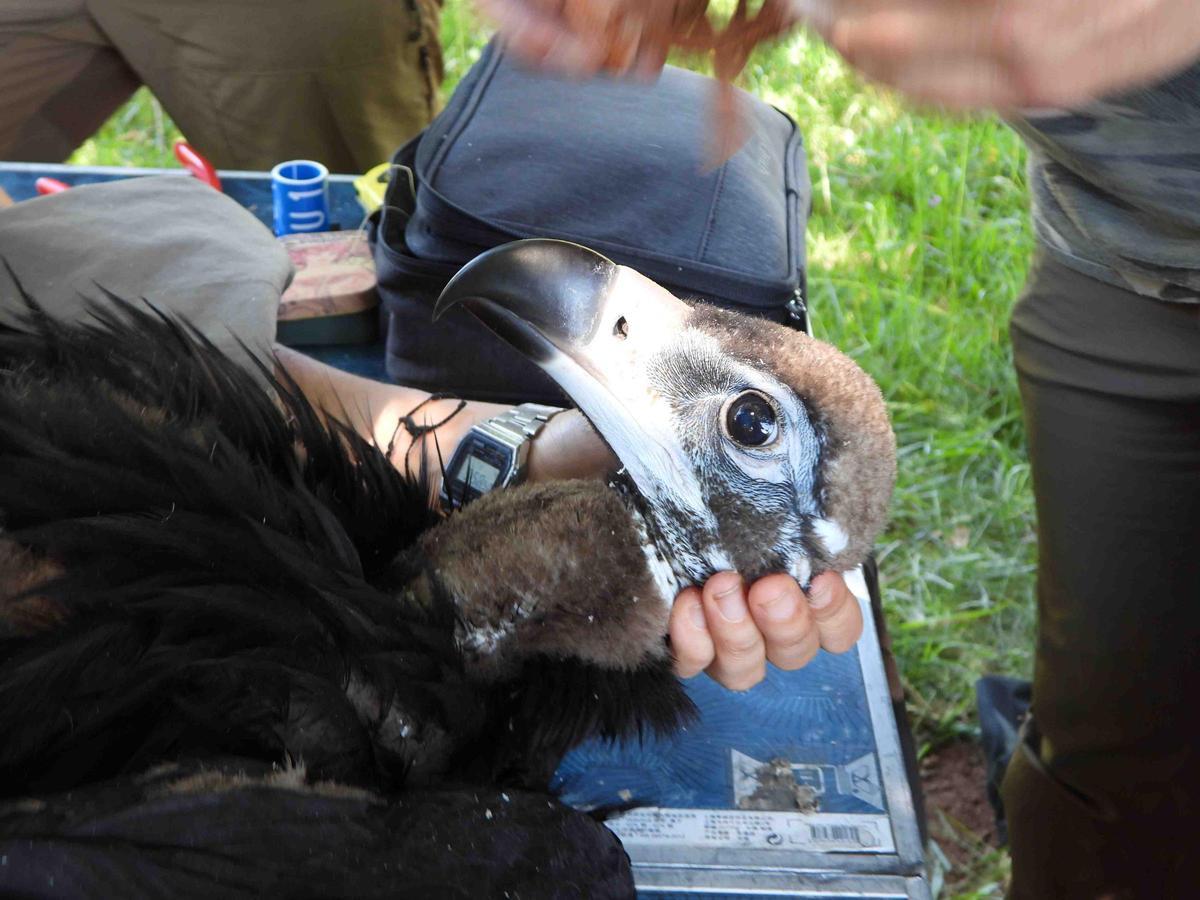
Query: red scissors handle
(197, 164)
(46, 185)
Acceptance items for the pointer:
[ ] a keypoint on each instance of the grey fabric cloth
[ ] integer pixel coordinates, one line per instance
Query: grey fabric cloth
(1116, 187)
(173, 241)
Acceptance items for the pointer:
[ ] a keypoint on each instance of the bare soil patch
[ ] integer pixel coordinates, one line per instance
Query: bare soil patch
(960, 817)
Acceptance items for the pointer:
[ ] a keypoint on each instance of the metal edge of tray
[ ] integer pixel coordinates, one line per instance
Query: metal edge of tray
(781, 882)
(907, 860)
(52, 169)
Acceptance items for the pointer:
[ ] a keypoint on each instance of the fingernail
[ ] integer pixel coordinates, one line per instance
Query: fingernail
(731, 604)
(820, 593)
(780, 608)
(696, 612)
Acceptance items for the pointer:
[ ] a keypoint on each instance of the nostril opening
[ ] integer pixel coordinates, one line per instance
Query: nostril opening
(621, 329)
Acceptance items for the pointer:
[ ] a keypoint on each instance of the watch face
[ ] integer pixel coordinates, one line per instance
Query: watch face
(478, 465)
(481, 475)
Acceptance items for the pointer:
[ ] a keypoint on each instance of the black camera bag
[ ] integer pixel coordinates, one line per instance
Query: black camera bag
(614, 165)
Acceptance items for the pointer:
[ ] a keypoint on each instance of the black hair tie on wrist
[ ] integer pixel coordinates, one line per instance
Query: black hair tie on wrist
(415, 431)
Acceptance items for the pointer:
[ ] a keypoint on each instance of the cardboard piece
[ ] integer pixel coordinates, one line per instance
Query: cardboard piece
(335, 275)
(332, 298)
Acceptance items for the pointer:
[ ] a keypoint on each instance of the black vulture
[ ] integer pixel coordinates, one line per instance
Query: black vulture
(239, 654)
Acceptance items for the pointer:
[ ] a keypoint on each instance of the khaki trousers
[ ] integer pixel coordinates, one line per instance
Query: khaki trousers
(249, 82)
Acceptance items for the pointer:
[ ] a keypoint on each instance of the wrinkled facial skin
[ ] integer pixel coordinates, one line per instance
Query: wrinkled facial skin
(759, 493)
(757, 499)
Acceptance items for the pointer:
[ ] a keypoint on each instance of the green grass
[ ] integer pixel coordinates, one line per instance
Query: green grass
(137, 134)
(918, 245)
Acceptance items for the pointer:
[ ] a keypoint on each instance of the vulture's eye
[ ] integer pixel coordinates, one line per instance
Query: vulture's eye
(750, 420)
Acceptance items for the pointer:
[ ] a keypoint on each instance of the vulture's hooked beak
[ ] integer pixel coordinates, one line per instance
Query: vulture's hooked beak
(594, 327)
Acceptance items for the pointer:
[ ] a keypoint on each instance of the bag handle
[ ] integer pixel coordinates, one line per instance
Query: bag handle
(401, 192)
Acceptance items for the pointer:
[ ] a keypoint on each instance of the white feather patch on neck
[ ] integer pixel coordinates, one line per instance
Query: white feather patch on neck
(802, 571)
(666, 582)
(831, 534)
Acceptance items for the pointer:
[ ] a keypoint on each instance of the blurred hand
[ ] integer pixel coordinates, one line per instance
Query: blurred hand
(1003, 54)
(582, 37)
(731, 632)
(1008, 54)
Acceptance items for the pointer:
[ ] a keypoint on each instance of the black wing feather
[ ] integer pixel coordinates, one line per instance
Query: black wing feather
(216, 540)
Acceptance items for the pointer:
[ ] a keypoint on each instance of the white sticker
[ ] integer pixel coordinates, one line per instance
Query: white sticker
(747, 829)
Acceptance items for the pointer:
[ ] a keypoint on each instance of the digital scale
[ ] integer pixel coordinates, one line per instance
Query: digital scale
(797, 788)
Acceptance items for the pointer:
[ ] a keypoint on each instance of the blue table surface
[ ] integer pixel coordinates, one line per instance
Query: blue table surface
(816, 719)
(251, 189)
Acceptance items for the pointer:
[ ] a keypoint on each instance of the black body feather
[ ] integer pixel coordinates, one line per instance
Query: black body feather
(224, 574)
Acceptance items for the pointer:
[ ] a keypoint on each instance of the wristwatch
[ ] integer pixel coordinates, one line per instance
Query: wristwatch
(493, 453)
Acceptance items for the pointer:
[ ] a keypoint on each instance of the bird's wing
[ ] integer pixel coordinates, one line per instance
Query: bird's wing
(239, 831)
(133, 370)
(208, 546)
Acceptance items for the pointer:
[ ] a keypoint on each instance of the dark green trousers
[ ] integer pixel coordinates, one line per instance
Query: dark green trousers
(1103, 795)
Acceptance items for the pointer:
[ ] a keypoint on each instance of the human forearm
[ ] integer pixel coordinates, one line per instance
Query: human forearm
(566, 448)
(375, 410)
(1009, 54)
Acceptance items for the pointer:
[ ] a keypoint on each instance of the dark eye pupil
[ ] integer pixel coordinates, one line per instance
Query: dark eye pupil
(751, 420)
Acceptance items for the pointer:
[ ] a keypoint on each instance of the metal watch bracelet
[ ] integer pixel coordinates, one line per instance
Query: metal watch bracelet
(517, 426)
(514, 429)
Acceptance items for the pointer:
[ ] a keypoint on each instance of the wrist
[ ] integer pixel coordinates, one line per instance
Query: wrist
(568, 447)
(433, 449)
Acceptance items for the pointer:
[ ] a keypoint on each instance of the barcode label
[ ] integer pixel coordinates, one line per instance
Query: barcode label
(842, 834)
